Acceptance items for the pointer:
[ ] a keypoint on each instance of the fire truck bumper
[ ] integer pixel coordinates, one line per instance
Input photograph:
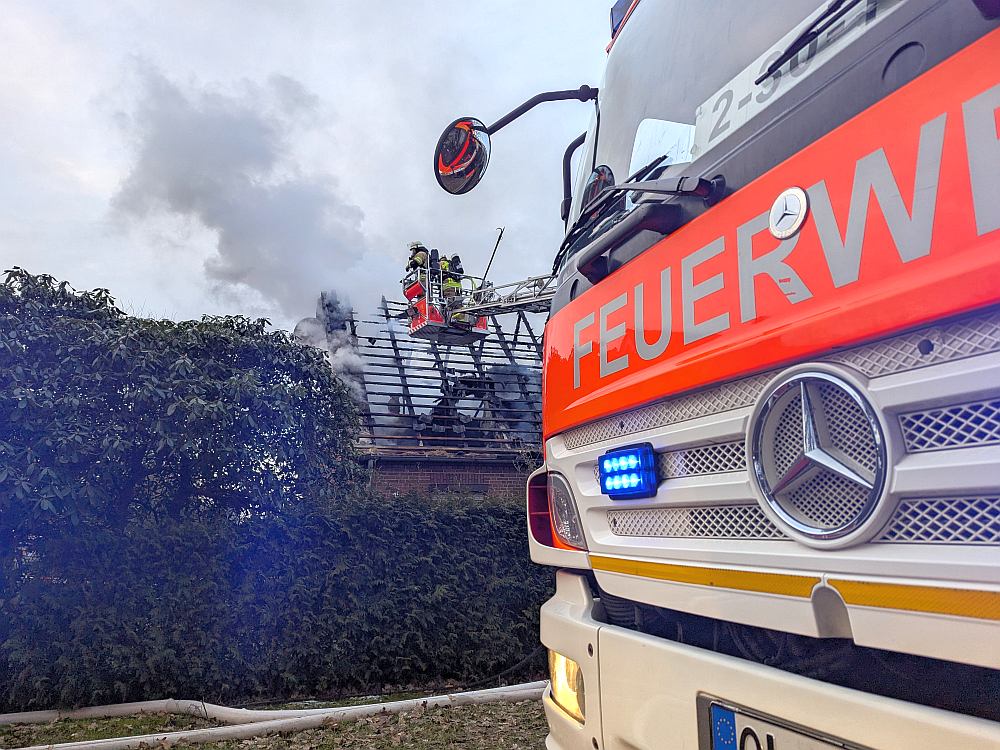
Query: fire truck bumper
(643, 692)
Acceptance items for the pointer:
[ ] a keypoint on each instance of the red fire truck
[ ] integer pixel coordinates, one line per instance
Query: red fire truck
(771, 486)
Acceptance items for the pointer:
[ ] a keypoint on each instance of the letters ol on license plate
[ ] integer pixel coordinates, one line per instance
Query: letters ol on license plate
(732, 729)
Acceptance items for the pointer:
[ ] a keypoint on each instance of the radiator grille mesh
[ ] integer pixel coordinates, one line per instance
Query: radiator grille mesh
(704, 459)
(849, 428)
(729, 396)
(788, 436)
(929, 346)
(958, 426)
(961, 520)
(710, 522)
(826, 501)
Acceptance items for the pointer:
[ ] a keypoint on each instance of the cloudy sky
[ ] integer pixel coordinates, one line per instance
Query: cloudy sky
(239, 156)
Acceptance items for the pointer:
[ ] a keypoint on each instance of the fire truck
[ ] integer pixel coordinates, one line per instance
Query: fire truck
(771, 389)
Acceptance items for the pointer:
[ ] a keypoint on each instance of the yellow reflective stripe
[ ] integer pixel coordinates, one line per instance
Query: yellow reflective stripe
(981, 605)
(741, 580)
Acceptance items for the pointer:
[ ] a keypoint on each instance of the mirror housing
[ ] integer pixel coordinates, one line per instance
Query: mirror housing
(462, 155)
(463, 150)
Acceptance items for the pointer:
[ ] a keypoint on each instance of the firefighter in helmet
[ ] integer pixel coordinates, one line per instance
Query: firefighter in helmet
(453, 292)
(418, 256)
(417, 263)
(451, 286)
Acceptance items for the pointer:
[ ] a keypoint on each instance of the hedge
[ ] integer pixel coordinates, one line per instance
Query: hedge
(348, 597)
(182, 514)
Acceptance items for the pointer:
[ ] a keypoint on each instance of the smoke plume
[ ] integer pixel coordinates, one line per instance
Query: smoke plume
(331, 331)
(225, 159)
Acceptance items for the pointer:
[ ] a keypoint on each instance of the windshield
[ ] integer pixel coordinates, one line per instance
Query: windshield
(669, 58)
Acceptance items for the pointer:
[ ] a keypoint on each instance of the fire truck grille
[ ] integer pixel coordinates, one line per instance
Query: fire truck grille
(705, 459)
(960, 520)
(968, 337)
(959, 426)
(732, 395)
(849, 428)
(710, 522)
(827, 501)
(788, 436)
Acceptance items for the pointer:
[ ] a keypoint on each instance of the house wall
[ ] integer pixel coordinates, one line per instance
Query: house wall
(402, 476)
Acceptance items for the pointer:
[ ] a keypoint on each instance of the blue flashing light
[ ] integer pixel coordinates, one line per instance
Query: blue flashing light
(629, 472)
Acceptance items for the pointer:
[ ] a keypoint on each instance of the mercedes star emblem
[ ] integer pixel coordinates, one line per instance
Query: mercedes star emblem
(788, 213)
(813, 454)
(818, 454)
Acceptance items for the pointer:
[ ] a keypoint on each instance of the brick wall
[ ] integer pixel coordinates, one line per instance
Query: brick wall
(402, 476)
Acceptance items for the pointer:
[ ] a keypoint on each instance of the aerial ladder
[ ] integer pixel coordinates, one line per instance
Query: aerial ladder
(451, 314)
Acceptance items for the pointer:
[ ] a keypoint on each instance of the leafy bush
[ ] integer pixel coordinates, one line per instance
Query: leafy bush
(100, 411)
(347, 597)
(181, 514)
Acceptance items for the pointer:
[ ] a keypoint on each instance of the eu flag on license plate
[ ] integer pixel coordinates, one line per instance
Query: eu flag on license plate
(723, 728)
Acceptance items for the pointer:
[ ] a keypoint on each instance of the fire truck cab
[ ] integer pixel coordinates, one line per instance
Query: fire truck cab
(771, 395)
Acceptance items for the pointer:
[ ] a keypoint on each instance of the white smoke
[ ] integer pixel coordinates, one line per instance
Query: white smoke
(226, 159)
(331, 331)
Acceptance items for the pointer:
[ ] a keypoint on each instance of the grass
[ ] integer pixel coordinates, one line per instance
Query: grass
(499, 726)
(23, 735)
(361, 700)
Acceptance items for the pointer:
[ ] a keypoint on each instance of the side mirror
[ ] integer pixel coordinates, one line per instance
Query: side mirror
(462, 155)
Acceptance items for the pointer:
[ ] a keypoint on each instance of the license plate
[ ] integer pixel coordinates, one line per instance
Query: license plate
(732, 728)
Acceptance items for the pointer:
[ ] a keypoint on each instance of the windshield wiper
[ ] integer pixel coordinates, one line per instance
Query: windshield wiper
(600, 202)
(695, 187)
(596, 211)
(833, 12)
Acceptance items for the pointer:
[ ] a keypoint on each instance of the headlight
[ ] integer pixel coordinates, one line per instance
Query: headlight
(565, 517)
(566, 683)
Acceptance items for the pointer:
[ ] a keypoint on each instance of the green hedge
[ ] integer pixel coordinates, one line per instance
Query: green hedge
(351, 596)
(182, 514)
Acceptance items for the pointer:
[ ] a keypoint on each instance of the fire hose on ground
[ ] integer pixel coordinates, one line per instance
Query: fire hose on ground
(243, 723)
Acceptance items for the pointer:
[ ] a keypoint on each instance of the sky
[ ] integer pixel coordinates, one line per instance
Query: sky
(240, 156)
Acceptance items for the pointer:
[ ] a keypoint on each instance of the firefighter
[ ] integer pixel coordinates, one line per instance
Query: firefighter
(451, 286)
(418, 256)
(417, 263)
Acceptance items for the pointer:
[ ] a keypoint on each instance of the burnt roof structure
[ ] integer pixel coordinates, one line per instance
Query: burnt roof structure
(427, 399)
